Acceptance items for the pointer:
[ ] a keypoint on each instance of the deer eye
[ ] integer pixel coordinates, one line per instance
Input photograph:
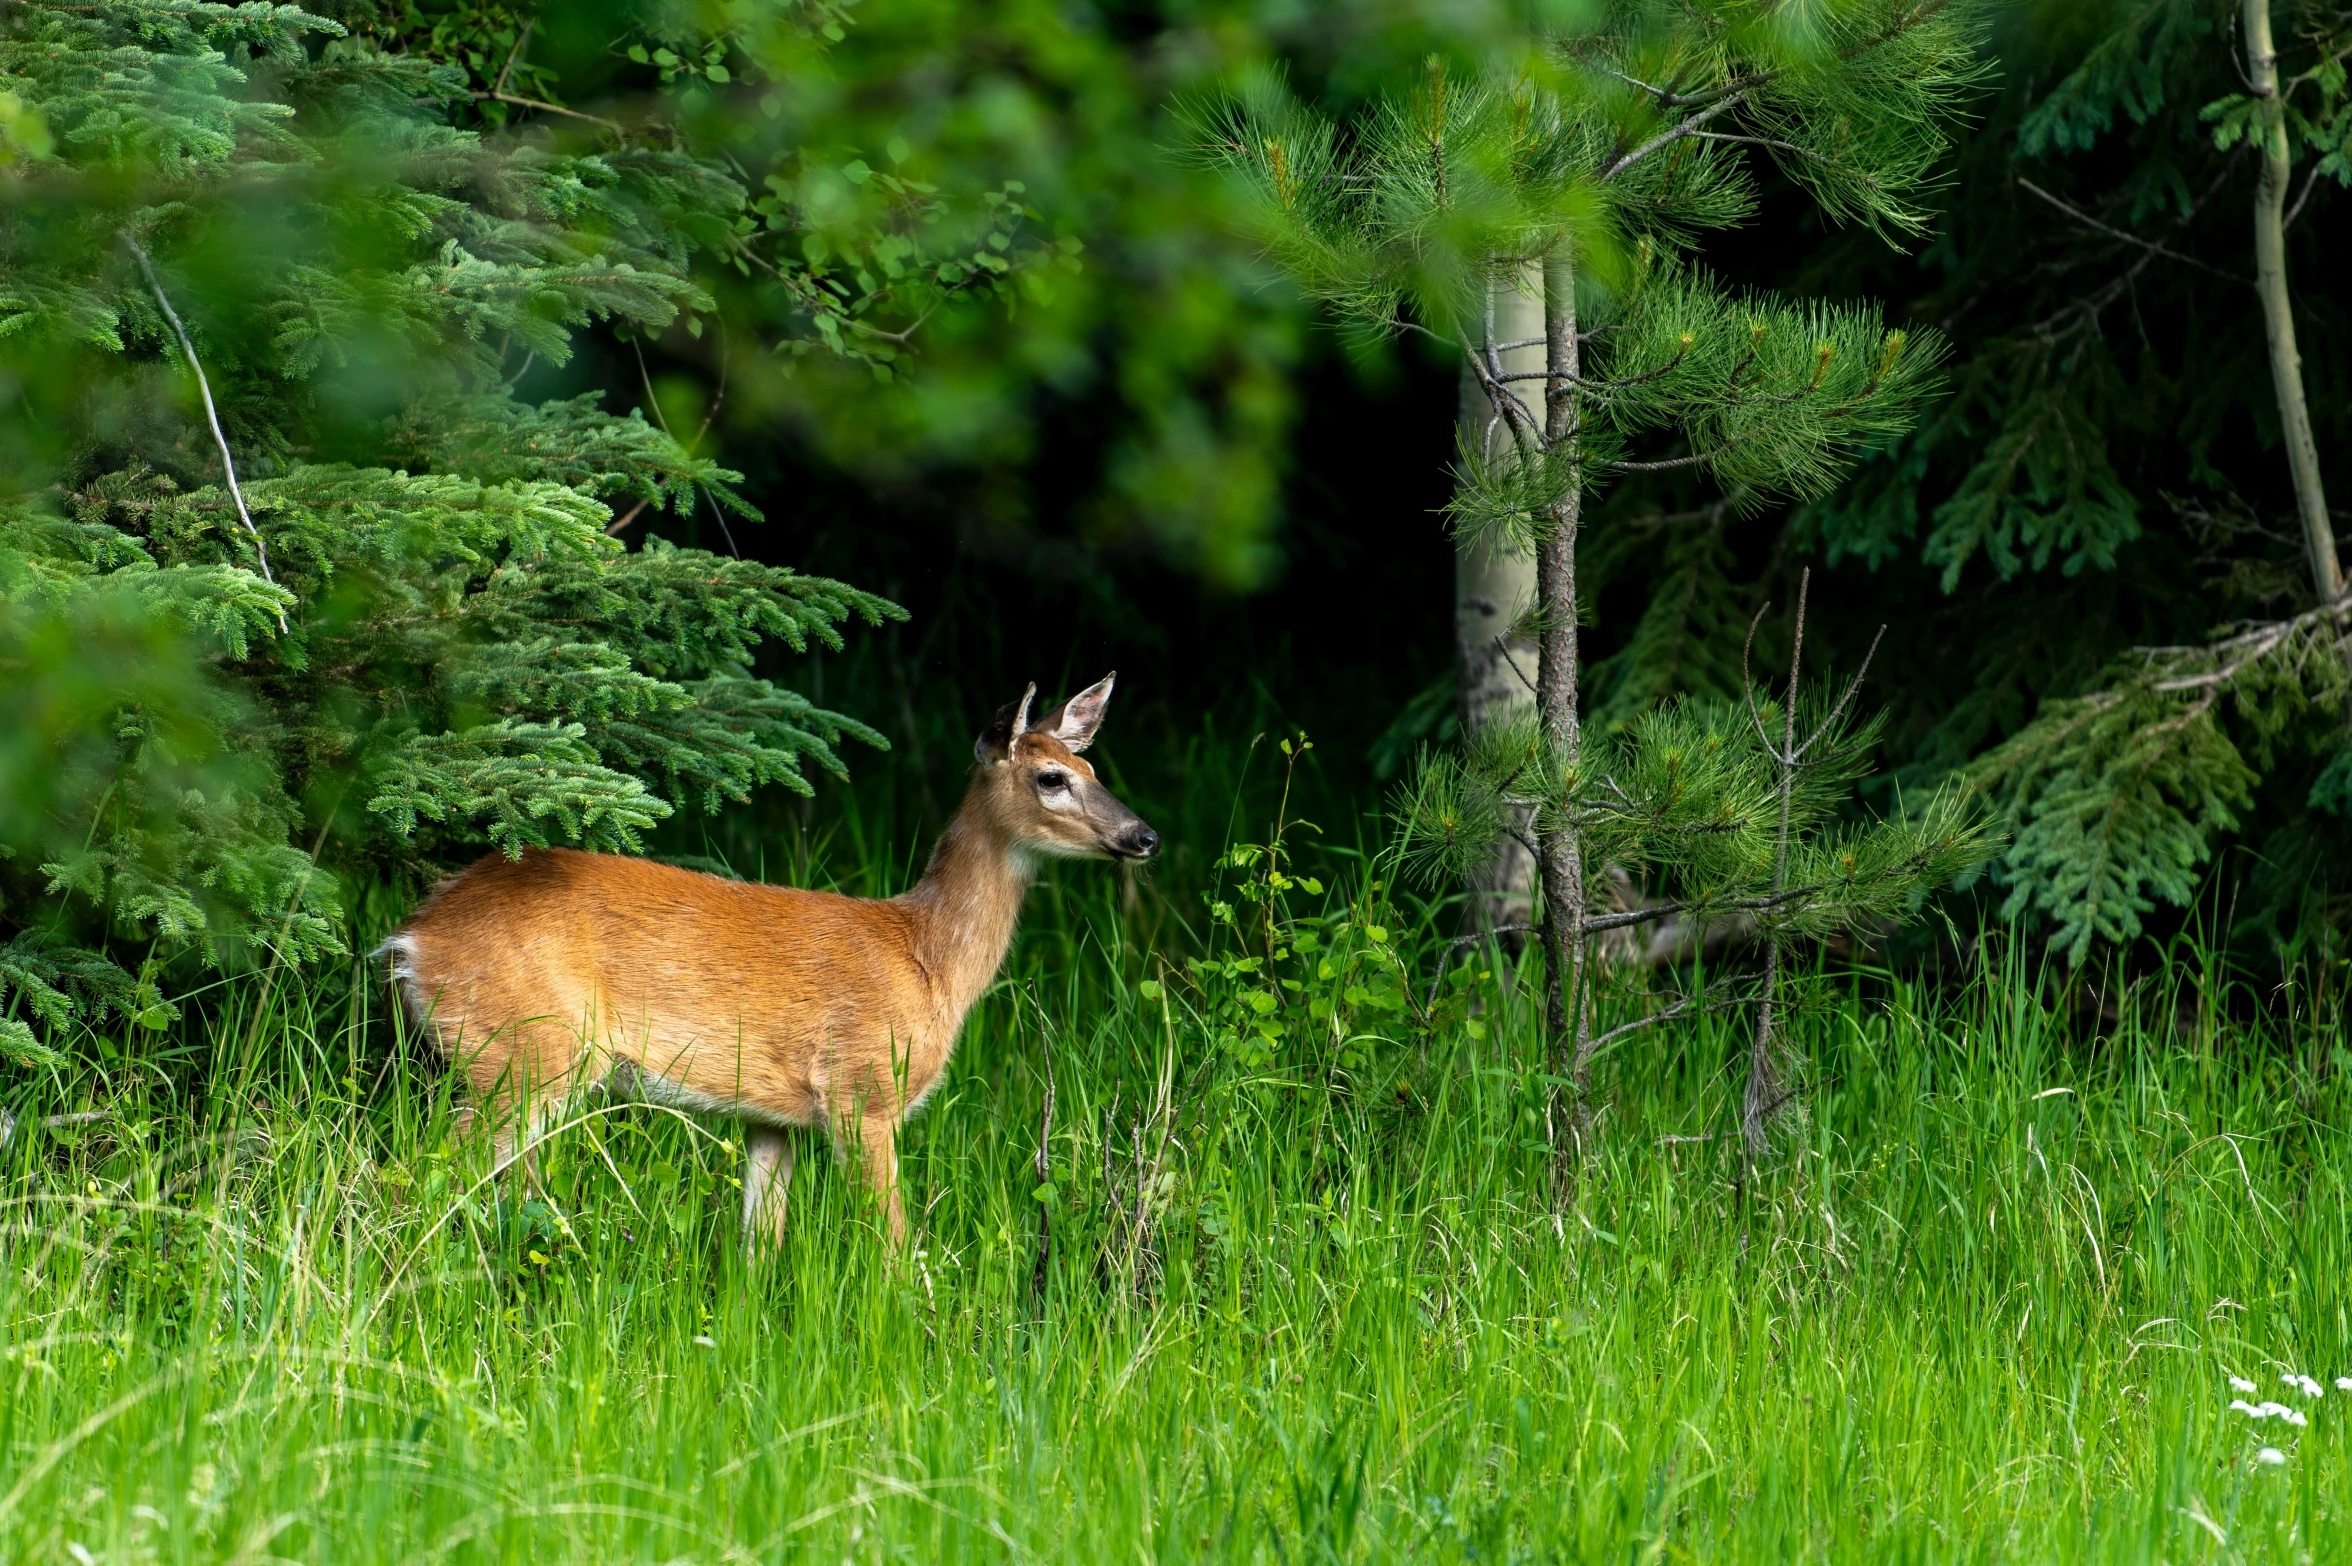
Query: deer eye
(1053, 780)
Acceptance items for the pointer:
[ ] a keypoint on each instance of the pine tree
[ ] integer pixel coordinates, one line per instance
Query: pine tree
(296, 599)
(1596, 165)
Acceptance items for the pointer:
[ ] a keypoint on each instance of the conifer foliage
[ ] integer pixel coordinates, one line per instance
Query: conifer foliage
(296, 597)
(2111, 536)
(1597, 162)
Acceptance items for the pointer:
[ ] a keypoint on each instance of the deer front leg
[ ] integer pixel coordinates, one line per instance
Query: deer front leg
(767, 1177)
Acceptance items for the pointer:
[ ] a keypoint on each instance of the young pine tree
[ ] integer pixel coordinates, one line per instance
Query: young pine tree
(1596, 166)
(297, 598)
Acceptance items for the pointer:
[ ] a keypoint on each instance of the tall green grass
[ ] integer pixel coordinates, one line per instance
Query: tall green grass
(259, 1305)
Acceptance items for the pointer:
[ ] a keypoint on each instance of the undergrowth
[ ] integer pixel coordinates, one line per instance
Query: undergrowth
(1311, 1293)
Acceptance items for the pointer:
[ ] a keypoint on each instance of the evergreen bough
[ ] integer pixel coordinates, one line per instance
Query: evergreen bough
(1596, 163)
(296, 598)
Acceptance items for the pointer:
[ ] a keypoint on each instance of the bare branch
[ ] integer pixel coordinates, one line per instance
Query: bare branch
(615, 126)
(1690, 127)
(211, 413)
(512, 55)
(1455, 945)
(1852, 686)
(1688, 1006)
(1671, 463)
(2111, 232)
(1747, 681)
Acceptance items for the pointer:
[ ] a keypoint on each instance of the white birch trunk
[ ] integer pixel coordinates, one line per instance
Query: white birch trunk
(1494, 586)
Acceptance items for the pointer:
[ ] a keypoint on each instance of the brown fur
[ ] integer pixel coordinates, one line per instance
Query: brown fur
(559, 971)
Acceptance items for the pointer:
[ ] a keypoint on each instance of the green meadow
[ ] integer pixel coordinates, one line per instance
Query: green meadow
(1312, 1290)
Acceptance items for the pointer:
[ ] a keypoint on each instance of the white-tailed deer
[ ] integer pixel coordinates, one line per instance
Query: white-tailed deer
(560, 971)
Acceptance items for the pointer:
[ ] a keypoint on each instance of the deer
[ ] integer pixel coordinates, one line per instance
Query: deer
(562, 972)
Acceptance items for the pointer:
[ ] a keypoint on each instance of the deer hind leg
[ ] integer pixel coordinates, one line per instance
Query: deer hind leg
(767, 1177)
(509, 1122)
(513, 1093)
(877, 1147)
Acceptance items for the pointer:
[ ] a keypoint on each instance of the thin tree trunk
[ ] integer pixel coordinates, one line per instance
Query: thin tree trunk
(1764, 1093)
(1555, 697)
(2270, 280)
(1494, 585)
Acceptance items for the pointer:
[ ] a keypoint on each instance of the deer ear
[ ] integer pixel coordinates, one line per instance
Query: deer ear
(1075, 720)
(1010, 723)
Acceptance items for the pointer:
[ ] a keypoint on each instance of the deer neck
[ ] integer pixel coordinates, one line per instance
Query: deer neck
(966, 907)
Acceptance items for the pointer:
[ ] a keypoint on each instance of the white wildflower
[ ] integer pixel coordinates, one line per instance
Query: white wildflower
(2241, 1384)
(2270, 1457)
(2294, 1416)
(706, 1341)
(2310, 1388)
(2344, 1383)
(2239, 1405)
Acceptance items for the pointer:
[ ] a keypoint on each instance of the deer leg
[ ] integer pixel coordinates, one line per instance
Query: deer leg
(878, 1151)
(512, 1155)
(767, 1177)
(508, 1119)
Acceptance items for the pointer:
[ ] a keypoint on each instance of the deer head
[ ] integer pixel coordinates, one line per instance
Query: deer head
(1042, 794)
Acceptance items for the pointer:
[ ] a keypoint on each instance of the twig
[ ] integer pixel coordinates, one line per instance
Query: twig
(1852, 685)
(1672, 462)
(2111, 232)
(1597, 923)
(663, 420)
(513, 55)
(1689, 1006)
(1586, 383)
(211, 413)
(621, 522)
(1455, 945)
(1689, 127)
(615, 126)
(2310, 178)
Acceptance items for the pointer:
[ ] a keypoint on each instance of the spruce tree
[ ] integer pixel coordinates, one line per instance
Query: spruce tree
(1597, 163)
(297, 599)
(2162, 602)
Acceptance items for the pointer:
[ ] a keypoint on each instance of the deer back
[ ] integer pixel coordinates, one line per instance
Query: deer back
(547, 972)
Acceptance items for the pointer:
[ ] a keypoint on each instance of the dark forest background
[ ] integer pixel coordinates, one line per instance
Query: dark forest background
(923, 297)
(2105, 472)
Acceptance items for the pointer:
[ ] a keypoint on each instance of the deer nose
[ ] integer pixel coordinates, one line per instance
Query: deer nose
(1141, 843)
